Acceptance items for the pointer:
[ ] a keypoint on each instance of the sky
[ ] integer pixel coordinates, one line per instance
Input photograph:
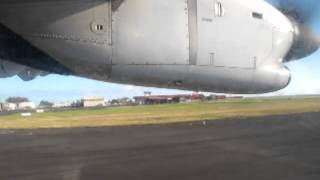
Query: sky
(55, 88)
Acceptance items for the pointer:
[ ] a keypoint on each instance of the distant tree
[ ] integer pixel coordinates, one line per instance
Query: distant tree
(209, 98)
(46, 104)
(17, 100)
(115, 102)
(77, 104)
(125, 101)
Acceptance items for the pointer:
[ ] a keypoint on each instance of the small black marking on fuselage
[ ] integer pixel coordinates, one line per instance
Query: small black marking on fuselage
(207, 19)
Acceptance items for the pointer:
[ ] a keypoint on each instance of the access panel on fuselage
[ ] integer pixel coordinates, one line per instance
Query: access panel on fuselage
(151, 32)
(229, 35)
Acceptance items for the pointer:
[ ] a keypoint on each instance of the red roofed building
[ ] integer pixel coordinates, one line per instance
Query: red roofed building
(163, 99)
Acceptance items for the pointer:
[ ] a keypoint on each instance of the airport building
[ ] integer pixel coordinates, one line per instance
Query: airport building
(164, 99)
(26, 106)
(93, 101)
(217, 97)
(182, 98)
(9, 106)
(65, 104)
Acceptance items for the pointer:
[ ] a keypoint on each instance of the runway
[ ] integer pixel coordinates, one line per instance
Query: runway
(266, 148)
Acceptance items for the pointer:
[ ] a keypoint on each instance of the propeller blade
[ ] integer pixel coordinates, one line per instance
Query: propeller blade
(305, 17)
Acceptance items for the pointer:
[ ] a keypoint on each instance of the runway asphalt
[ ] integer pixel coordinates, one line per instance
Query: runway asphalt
(266, 148)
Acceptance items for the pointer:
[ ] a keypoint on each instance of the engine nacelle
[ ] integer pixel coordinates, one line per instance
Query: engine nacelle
(268, 78)
(271, 78)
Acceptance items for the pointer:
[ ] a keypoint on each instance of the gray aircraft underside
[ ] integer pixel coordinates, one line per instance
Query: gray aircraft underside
(228, 46)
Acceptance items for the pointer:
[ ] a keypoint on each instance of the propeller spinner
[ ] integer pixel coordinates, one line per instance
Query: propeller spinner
(304, 18)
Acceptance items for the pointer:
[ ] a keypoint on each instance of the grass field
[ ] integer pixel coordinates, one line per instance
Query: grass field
(158, 114)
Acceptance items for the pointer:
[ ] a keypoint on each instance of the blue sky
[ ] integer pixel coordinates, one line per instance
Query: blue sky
(306, 80)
